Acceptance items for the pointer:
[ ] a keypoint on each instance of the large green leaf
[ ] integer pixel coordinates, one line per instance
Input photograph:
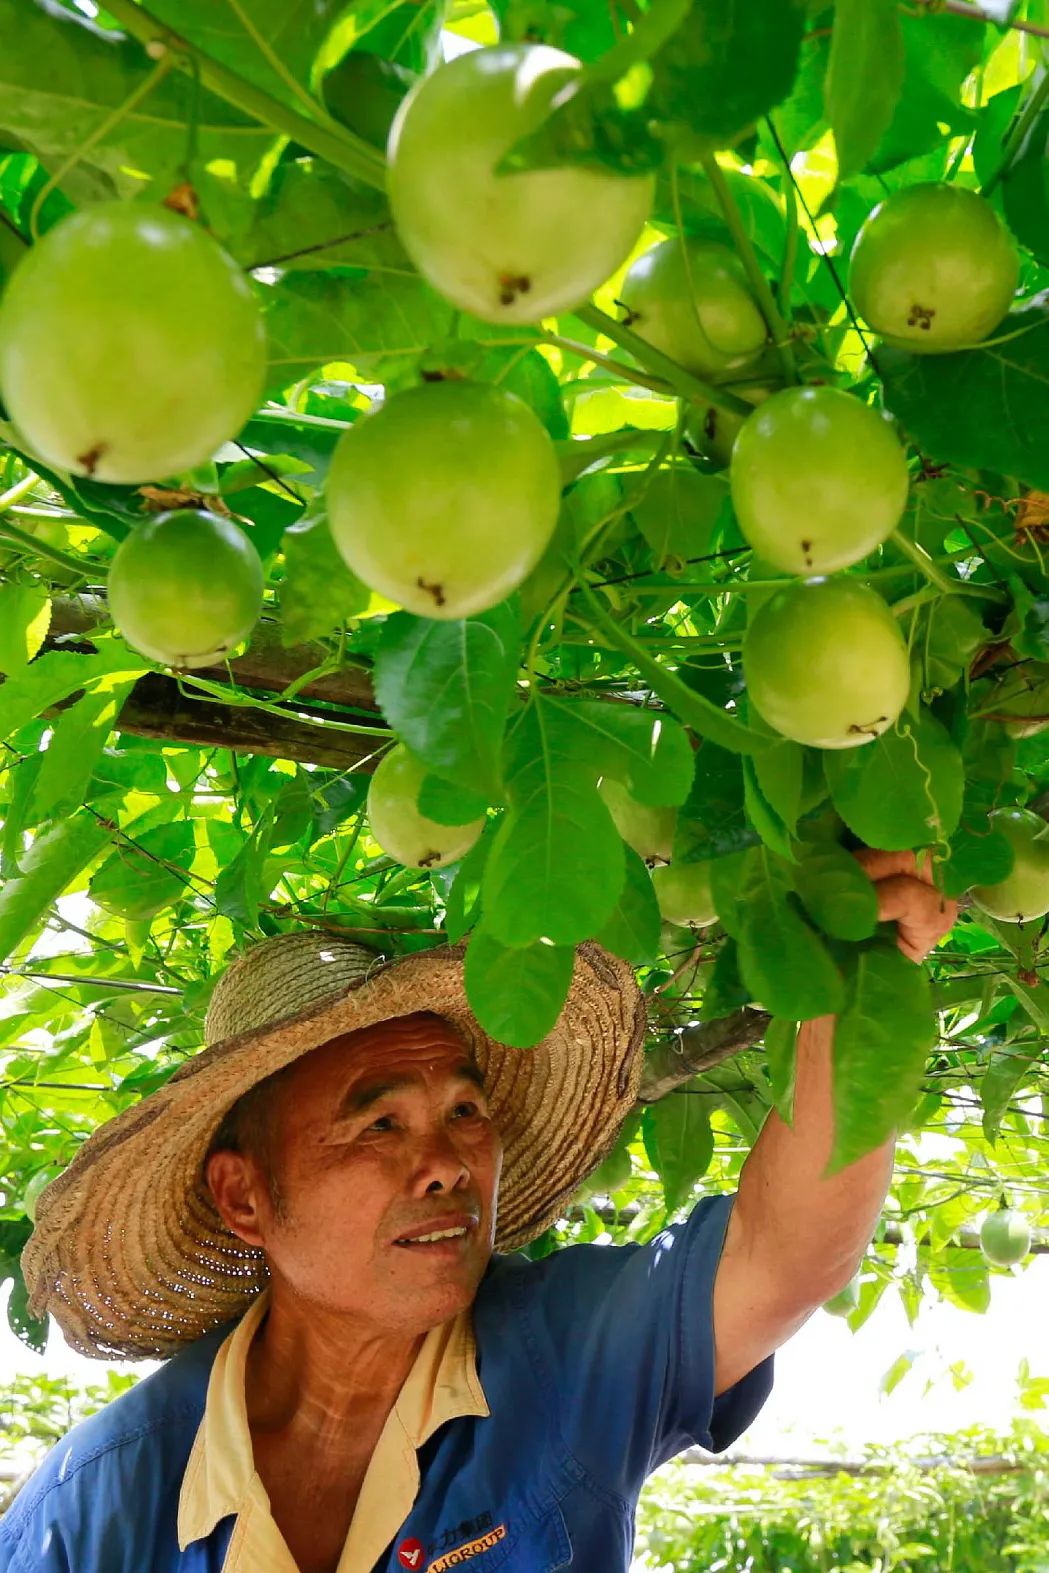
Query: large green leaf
(315, 318)
(838, 896)
(679, 1141)
(881, 1039)
(1008, 1069)
(983, 408)
(446, 688)
(312, 217)
(272, 43)
(47, 870)
(557, 866)
(864, 78)
(904, 789)
(319, 591)
(145, 872)
(727, 65)
(77, 739)
(57, 674)
(517, 993)
(67, 109)
(633, 929)
(645, 749)
(783, 962)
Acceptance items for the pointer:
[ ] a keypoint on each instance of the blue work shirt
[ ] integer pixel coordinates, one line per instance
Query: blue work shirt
(597, 1364)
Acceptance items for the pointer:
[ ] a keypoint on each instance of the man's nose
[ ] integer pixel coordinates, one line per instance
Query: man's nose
(439, 1163)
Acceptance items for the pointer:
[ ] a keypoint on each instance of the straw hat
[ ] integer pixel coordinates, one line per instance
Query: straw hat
(129, 1254)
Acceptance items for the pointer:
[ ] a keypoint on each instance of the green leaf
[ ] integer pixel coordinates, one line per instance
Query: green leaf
(837, 894)
(881, 1040)
(312, 217)
(781, 1053)
(903, 790)
(726, 66)
(950, 638)
(1025, 192)
(678, 512)
(517, 993)
(961, 1277)
(238, 889)
(939, 54)
(679, 1142)
(449, 804)
(713, 818)
(78, 738)
(557, 866)
(979, 853)
(634, 927)
(25, 616)
(780, 773)
(446, 688)
(864, 78)
(783, 962)
(49, 867)
(314, 318)
(984, 408)
(319, 592)
(57, 674)
(463, 906)
(760, 813)
(28, 1329)
(76, 109)
(145, 873)
(1008, 1069)
(645, 749)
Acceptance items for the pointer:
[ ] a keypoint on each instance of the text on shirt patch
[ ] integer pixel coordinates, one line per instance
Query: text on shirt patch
(472, 1548)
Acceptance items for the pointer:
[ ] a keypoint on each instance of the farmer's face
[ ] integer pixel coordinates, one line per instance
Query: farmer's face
(378, 1133)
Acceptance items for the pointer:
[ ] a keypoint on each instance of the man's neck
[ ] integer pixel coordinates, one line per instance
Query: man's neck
(323, 1377)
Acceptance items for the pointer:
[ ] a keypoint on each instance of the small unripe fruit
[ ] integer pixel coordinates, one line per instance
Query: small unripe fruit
(684, 894)
(397, 825)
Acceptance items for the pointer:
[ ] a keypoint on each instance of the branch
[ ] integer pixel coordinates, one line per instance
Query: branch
(794, 1468)
(698, 1049)
(974, 14)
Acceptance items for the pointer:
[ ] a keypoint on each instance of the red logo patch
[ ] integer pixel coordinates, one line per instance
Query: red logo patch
(411, 1554)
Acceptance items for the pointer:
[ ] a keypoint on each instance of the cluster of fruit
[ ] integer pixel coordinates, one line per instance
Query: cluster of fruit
(117, 321)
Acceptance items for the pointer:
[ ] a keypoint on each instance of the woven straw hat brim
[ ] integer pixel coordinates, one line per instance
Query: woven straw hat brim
(129, 1254)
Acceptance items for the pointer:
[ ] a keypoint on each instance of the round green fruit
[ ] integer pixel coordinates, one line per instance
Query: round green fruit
(397, 825)
(446, 498)
(131, 345)
(825, 663)
(650, 831)
(689, 298)
(1005, 1237)
(933, 269)
(818, 480)
(684, 894)
(507, 247)
(846, 1300)
(185, 588)
(1024, 893)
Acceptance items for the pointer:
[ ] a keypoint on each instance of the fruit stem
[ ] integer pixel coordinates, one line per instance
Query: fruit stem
(577, 454)
(628, 373)
(1014, 139)
(692, 388)
(51, 554)
(774, 320)
(925, 566)
(333, 142)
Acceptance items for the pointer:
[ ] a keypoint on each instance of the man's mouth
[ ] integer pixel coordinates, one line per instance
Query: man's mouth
(448, 1239)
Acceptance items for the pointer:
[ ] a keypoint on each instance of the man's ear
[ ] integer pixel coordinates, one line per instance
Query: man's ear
(237, 1189)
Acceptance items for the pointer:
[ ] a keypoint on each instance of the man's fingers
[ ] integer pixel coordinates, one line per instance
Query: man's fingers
(880, 865)
(922, 915)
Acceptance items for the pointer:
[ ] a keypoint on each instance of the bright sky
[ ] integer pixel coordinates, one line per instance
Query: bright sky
(827, 1386)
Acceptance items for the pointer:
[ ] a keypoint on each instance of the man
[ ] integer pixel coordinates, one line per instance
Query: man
(305, 1219)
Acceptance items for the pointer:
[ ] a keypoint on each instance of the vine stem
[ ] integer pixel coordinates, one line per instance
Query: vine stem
(1018, 131)
(333, 142)
(692, 388)
(925, 566)
(973, 13)
(752, 267)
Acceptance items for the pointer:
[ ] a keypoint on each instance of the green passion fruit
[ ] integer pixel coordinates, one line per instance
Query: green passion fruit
(933, 269)
(1024, 893)
(650, 831)
(825, 663)
(131, 345)
(185, 588)
(508, 247)
(1005, 1237)
(684, 894)
(846, 1300)
(689, 298)
(445, 499)
(397, 825)
(818, 480)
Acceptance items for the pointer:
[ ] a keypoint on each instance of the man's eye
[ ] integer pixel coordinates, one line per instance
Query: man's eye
(384, 1119)
(469, 1108)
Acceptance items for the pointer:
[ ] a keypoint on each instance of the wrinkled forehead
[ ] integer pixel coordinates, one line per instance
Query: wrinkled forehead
(423, 1046)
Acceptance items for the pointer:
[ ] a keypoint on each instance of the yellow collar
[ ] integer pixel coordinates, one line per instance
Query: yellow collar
(220, 1477)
